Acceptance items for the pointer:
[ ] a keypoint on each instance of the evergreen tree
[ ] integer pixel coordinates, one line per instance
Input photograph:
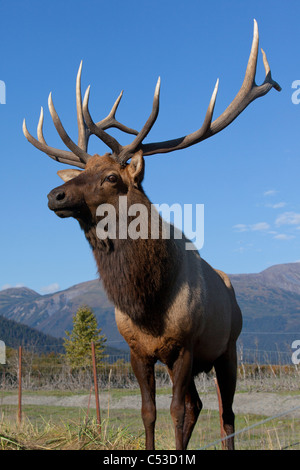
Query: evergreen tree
(78, 344)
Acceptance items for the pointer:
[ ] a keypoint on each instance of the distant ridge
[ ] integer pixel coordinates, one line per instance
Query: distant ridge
(283, 276)
(16, 334)
(270, 302)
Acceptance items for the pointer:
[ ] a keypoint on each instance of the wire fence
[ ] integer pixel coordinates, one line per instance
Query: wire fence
(280, 444)
(53, 373)
(54, 376)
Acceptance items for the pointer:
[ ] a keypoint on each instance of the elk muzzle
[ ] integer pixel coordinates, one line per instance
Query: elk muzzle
(62, 204)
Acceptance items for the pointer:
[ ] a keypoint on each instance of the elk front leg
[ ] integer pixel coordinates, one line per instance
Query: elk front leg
(143, 369)
(180, 372)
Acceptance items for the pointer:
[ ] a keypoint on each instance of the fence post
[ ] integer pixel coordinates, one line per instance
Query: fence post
(20, 387)
(96, 387)
(223, 435)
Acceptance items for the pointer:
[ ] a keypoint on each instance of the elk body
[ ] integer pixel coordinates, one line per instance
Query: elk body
(170, 305)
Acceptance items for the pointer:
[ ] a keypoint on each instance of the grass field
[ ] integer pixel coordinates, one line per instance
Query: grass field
(59, 427)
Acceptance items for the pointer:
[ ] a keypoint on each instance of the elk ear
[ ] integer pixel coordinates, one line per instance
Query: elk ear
(136, 168)
(67, 175)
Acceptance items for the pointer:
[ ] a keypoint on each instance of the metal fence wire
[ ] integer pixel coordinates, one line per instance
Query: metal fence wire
(246, 430)
(281, 430)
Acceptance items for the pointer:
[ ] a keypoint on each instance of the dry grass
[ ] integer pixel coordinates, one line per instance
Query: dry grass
(53, 428)
(71, 435)
(60, 428)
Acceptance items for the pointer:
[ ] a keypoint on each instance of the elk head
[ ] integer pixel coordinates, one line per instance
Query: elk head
(102, 179)
(102, 182)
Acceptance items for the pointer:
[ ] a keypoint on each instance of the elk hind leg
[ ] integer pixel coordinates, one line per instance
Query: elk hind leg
(226, 371)
(193, 406)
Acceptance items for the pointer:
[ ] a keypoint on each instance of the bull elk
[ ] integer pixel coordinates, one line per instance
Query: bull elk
(170, 305)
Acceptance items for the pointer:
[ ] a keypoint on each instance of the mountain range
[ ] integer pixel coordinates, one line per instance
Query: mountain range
(270, 302)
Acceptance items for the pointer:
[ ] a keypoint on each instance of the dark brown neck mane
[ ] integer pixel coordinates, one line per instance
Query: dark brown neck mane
(137, 274)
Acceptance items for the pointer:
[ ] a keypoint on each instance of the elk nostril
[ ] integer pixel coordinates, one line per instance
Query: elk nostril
(60, 196)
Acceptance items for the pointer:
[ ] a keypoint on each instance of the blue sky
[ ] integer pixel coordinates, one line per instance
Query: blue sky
(247, 176)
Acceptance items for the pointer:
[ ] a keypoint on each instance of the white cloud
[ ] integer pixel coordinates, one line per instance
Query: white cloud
(10, 286)
(283, 236)
(260, 226)
(288, 218)
(271, 192)
(241, 227)
(278, 205)
(50, 289)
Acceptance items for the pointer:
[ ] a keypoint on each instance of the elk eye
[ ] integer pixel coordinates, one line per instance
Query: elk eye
(111, 178)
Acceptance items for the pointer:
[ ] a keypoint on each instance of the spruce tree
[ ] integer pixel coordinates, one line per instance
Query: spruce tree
(78, 342)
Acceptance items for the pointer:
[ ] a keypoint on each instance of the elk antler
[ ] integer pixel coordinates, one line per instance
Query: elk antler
(120, 153)
(78, 155)
(248, 92)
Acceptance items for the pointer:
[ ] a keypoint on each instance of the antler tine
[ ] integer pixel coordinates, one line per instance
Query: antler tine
(194, 137)
(248, 92)
(128, 150)
(63, 134)
(62, 156)
(268, 78)
(110, 120)
(183, 142)
(71, 157)
(83, 131)
(110, 141)
(78, 156)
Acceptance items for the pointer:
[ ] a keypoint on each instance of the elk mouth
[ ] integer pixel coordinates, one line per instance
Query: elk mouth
(64, 213)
